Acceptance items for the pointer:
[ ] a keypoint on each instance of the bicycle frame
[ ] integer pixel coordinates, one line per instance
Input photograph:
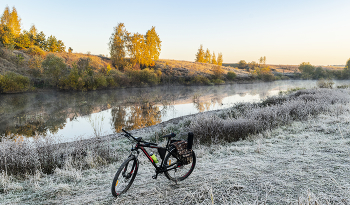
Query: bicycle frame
(142, 144)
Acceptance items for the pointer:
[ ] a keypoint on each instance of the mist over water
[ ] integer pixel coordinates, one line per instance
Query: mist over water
(86, 114)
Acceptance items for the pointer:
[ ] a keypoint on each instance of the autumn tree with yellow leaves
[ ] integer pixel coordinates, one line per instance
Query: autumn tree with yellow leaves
(206, 57)
(11, 20)
(11, 35)
(142, 50)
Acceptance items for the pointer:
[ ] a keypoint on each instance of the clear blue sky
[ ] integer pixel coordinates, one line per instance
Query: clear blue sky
(286, 32)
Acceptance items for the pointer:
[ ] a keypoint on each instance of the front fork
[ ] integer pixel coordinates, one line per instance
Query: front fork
(125, 172)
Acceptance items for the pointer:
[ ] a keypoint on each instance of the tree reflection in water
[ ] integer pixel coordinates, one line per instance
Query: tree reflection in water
(135, 116)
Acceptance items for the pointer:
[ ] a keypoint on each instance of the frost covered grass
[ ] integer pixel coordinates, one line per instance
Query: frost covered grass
(23, 157)
(247, 119)
(304, 161)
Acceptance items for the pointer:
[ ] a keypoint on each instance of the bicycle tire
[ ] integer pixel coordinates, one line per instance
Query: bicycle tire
(124, 178)
(183, 171)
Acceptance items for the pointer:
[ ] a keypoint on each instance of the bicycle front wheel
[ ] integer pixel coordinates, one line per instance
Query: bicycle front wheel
(125, 176)
(180, 171)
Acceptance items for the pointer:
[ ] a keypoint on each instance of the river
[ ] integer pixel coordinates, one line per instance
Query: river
(72, 115)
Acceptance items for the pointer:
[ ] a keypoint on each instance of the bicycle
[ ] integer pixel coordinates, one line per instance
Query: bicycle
(172, 162)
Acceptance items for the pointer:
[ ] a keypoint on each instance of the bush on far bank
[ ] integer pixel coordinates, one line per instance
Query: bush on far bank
(12, 83)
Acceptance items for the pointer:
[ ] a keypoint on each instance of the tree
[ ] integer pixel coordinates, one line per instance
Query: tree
(32, 34)
(242, 64)
(15, 22)
(252, 65)
(54, 45)
(200, 55)
(70, 50)
(152, 47)
(117, 46)
(61, 46)
(207, 56)
(347, 64)
(220, 59)
(33, 30)
(307, 70)
(40, 40)
(7, 38)
(137, 49)
(23, 40)
(262, 61)
(5, 18)
(11, 20)
(213, 59)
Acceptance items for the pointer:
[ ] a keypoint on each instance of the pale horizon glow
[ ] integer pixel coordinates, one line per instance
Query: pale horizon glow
(286, 32)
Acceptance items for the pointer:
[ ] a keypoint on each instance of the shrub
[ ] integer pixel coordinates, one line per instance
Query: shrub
(218, 81)
(35, 65)
(54, 67)
(146, 76)
(217, 71)
(264, 74)
(231, 75)
(35, 51)
(201, 80)
(325, 83)
(100, 81)
(242, 64)
(72, 82)
(12, 82)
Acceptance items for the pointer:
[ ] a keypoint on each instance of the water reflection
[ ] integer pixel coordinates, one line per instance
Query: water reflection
(105, 112)
(135, 116)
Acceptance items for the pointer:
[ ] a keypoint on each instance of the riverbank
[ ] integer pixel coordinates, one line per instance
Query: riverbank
(27, 71)
(301, 162)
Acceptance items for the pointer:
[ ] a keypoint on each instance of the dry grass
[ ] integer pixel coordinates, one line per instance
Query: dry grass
(186, 68)
(96, 61)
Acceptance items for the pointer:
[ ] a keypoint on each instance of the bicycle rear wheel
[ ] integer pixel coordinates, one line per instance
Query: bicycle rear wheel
(125, 176)
(181, 171)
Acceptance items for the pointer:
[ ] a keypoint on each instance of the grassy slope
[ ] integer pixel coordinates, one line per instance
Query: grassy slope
(175, 68)
(301, 163)
(8, 60)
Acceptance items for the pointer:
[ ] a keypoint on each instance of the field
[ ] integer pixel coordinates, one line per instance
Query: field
(303, 160)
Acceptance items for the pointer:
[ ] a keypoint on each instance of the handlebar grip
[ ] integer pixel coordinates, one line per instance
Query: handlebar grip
(170, 135)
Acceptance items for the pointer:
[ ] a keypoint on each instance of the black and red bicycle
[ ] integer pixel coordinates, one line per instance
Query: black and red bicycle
(176, 164)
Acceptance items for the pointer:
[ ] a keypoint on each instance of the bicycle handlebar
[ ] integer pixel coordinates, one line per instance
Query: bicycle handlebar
(138, 139)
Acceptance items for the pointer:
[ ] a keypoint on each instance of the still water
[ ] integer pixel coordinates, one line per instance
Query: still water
(86, 114)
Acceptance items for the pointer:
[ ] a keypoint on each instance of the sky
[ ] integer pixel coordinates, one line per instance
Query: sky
(286, 32)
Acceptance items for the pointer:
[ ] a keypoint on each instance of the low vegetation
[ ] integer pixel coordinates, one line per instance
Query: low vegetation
(243, 120)
(308, 71)
(20, 157)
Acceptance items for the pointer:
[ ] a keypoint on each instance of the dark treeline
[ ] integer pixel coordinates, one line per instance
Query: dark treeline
(309, 71)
